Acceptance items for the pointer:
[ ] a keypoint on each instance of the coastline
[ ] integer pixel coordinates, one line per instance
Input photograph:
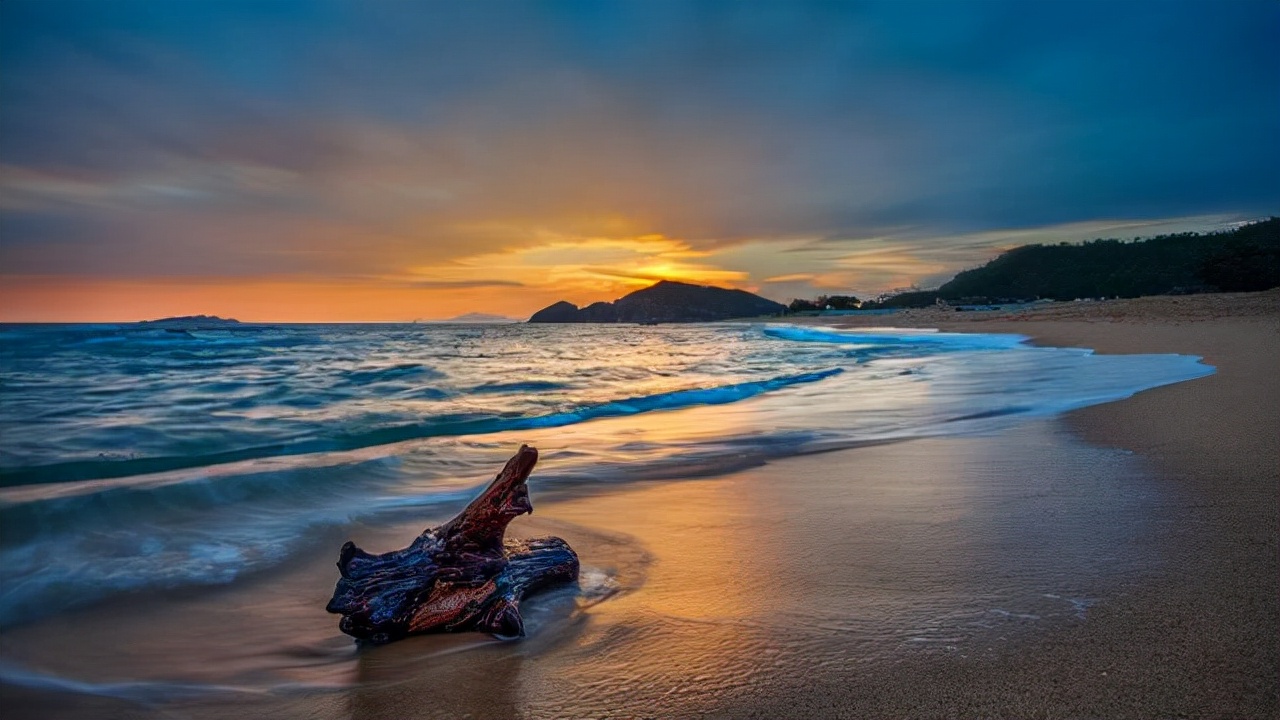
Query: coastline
(1118, 561)
(1197, 638)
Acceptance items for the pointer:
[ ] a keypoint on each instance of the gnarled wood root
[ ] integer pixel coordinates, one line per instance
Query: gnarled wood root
(460, 576)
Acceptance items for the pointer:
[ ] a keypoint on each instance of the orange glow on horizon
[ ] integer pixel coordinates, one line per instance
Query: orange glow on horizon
(542, 266)
(251, 300)
(515, 283)
(62, 299)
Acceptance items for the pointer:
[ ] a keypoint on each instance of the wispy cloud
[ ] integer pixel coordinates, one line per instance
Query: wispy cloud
(790, 148)
(453, 284)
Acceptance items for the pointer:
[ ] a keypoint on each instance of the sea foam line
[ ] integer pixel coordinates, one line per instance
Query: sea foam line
(888, 336)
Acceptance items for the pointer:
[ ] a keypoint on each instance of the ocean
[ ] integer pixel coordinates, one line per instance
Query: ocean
(138, 460)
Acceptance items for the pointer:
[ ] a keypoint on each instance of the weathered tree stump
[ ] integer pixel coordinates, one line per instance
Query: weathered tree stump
(460, 576)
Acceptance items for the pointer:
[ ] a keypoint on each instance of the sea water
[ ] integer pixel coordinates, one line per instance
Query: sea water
(134, 457)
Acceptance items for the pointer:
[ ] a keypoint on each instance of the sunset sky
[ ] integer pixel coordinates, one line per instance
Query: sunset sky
(397, 160)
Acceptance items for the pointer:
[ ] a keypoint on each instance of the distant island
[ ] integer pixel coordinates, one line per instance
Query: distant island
(479, 317)
(192, 321)
(664, 302)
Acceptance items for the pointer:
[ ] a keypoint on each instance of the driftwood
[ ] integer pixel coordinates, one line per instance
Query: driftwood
(460, 576)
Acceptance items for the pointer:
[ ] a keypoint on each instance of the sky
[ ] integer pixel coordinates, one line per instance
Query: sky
(388, 161)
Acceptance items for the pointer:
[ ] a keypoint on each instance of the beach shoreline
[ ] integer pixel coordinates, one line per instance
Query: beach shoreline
(1199, 637)
(1116, 561)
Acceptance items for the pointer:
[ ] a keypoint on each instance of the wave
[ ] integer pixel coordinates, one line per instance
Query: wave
(527, 386)
(139, 691)
(123, 505)
(440, 426)
(676, 399)
(940, 340)
(190, 531)
(368, 376)
(278, 496)
(68, 551)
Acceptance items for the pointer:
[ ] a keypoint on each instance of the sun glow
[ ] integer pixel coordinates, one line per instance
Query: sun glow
(587, 269)
(399, 278)
(512, 282)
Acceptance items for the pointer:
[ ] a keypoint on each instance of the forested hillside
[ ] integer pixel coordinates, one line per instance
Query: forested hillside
(1243, 259)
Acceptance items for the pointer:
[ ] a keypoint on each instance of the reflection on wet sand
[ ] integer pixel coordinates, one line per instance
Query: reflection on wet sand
(692, 593)
(808, 568)
(396, 681)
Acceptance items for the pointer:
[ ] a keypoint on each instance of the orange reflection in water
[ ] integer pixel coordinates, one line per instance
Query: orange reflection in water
(703, 617)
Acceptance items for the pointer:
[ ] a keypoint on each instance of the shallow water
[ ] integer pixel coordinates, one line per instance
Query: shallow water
(136, 460)
(692, 591)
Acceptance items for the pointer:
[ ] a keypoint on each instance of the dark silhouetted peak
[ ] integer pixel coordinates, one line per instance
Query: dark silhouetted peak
(665, 301)
(558, 313)
(599, 312)
(192, 321)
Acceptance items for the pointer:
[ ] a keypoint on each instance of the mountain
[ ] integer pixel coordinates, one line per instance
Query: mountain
(667, 301)
(192, 322)
(479, 317)
(1242, 259)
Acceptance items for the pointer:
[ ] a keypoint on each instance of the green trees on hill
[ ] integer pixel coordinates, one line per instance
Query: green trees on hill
(825, 302)
(1249, 260)
(1243, 259)
(909, 299)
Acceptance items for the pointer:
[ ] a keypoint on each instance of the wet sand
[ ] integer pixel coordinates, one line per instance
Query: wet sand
(1199, 636)
(817, 579)
(1117, 562)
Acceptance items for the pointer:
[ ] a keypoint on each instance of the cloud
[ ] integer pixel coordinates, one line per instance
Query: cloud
(793, 277)
(585, 268)
(861, 144)
(447, 284)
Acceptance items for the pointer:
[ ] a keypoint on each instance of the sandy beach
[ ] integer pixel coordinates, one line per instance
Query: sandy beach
(1198, 636)
(1119, 561)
